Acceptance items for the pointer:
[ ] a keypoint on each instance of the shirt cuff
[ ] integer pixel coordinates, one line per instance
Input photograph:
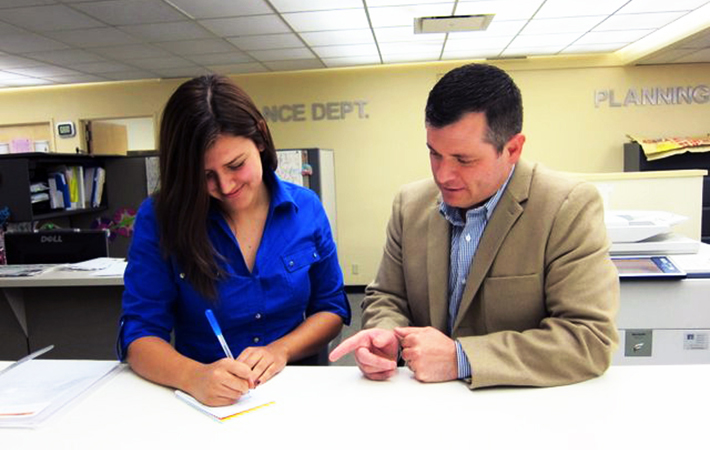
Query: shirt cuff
(464, 367)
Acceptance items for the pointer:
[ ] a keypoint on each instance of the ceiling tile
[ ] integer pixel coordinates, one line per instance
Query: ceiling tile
(340, 51)
(226, 69)
(314, 5)
(544, 40)
(471, 54)
(567, 8)
(21, 3)
(695, 57)
(101, 67)
(378, 3)
(396, 58)
(79, 78)
(65, 57)
(591, 48)
(6, 28)
(245, 26)
(94, 37)
(130, 12)
(209, 9)
(267, 42)
(565, 25)
(603, 37)
(214, 59)
(406, 34)
(130, 75)
(342, 19)
(504, 10)
(124, 52)
(351, 61)
(338, 37)
(28, 42)
(306, 64)
(472, 44)
(641, 6)
(170, 31)
(394, 16)
(205, 46)
(532, 51)
(666, 56)
(48, 18)
(10, 61)
(392, 48)
(24, 81)
(282, 54)
(644, 21)
(42, 71)
(182, 72)
(169, 62)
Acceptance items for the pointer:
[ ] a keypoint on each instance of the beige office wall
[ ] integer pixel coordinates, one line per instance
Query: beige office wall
(376, 154)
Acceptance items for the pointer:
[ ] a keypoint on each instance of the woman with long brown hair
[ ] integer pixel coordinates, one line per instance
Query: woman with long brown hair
(225, 233)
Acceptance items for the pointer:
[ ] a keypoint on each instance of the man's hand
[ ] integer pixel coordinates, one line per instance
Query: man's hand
(375, 352)
(429, 353)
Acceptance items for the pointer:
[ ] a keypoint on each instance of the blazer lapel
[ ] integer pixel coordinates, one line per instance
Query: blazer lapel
(438, 249)
(507, 211)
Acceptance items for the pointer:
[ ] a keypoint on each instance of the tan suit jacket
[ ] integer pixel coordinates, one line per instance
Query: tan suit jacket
(540, 298)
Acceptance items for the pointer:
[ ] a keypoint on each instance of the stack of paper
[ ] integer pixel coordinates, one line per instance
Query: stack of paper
(33, 391)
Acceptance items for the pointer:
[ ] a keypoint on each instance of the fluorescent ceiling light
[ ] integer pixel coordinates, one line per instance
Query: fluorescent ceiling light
(450, 24)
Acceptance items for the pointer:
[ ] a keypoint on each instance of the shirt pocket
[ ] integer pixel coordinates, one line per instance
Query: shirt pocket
(513, 302)
(295, 261)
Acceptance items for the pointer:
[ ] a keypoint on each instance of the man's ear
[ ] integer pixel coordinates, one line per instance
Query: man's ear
(514, 147)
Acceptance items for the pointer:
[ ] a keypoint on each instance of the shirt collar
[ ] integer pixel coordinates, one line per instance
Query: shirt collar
(454, 215)
(280, 196)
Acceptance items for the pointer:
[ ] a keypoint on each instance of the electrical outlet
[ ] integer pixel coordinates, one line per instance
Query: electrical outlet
(355, 269)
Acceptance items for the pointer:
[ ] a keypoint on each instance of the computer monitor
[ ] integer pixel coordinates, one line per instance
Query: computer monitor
(55, 246)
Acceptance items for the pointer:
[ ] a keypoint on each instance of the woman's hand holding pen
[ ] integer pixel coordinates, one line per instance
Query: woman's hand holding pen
(222, 382)
(265, 362)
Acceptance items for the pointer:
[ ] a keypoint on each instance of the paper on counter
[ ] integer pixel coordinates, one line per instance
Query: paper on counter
(247, 403)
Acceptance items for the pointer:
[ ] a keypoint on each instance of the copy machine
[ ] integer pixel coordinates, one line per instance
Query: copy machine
(664, 318)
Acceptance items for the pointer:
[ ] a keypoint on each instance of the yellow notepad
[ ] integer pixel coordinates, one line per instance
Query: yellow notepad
(246, 403)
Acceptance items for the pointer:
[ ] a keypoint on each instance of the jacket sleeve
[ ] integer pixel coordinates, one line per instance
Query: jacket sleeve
(385, 304)
(576, 339)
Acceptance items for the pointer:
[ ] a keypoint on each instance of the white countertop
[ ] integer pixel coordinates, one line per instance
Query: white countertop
(629, 407)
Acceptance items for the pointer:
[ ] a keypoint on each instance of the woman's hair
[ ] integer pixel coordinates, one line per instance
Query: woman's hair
(197, 113)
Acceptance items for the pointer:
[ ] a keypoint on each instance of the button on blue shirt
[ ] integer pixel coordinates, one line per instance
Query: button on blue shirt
(466, 233)
(295, 275)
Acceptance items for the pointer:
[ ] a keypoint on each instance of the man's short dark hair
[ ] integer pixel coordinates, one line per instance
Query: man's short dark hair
(478, 88)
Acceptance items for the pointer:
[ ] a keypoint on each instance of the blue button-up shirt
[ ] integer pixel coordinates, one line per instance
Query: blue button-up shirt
(466, 233)
(296, 274)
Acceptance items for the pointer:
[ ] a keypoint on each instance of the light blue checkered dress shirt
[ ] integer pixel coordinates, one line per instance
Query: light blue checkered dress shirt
(465, 236)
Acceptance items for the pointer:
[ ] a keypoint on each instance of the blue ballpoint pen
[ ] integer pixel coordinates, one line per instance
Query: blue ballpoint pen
(218, 332)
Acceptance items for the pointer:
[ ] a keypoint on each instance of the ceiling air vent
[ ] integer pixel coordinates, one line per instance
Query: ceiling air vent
(450, 24)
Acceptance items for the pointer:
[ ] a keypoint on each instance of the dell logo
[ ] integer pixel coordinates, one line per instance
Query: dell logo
(56, 239)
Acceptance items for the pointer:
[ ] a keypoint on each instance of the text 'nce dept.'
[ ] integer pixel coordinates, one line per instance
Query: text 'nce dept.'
(301, 112)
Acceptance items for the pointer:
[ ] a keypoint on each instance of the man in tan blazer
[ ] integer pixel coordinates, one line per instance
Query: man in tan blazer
(497, 271)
